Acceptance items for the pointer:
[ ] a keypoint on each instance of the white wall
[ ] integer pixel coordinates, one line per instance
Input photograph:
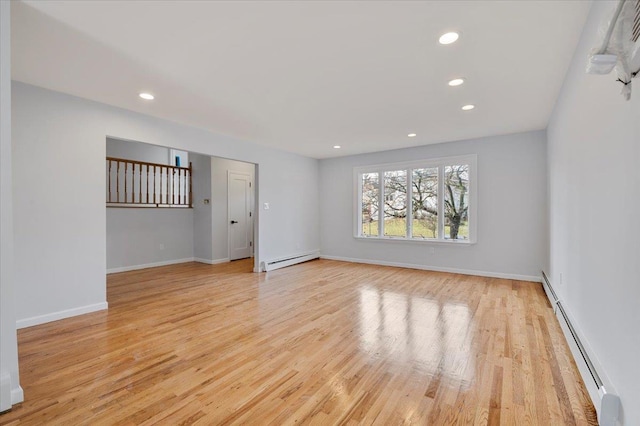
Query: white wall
(137, 151)
(594, 177)
(139, 237)
(59, 205)
(511, 209)
(219, 196)
(8, 338)
(202, 237)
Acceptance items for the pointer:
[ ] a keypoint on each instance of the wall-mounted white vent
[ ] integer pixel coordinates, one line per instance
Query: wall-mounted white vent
(607, 404)
(635, 36)
(620, 47)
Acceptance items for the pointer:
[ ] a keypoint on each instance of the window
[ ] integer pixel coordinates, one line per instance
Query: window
(429, 200)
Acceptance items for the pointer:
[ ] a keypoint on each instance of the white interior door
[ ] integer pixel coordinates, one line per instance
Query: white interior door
(240, 220)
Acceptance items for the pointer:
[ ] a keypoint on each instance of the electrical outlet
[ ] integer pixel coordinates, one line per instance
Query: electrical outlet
(266, 206)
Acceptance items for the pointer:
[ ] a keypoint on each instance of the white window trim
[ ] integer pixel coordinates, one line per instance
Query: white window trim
(471, 160)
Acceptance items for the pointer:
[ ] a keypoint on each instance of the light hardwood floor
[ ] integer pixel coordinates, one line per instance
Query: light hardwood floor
(322, 343)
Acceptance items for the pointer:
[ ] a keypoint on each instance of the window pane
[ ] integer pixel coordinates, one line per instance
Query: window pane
(395, 203)
(370, 196)
(425, 203)
(456, 202)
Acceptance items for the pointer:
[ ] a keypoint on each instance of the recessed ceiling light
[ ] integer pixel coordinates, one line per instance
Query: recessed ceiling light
(468, 107)
(412, 135)
(456, 82)
(336, 147)
(448, 38)
(147, 96)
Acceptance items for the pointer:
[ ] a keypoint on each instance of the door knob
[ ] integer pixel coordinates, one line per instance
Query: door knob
(234, 221)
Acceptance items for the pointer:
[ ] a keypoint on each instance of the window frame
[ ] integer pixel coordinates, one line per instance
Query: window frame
(440, 163)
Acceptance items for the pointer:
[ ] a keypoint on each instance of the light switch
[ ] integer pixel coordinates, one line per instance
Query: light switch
(266, 206)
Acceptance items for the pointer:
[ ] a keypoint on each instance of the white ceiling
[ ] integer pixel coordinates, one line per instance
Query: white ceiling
(304, 76)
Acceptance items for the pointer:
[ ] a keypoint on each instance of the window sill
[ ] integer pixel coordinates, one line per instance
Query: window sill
(418, 241)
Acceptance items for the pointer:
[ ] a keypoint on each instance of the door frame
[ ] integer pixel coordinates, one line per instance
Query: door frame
(250, 218)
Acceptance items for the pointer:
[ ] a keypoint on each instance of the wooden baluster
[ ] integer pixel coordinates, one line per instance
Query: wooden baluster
(140, 184)
(126, 196)
(190, 186)
(177, 190)
(147, 198)
(118, 182)
(109, 196)
(155, 172)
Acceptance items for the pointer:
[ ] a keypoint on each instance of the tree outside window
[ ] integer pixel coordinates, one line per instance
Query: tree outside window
(430, 202)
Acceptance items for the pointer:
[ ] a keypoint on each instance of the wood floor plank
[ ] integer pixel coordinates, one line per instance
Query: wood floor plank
(321, 343)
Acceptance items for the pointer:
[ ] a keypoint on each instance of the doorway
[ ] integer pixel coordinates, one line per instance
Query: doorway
(240, 215)
(149, 234)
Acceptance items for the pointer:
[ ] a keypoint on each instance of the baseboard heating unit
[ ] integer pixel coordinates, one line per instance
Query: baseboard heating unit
(282, 262)
(607, 404)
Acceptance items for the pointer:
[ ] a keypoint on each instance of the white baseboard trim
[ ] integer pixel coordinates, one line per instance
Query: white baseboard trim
(211, 262)
(285, 261)
(566, 321)
(17, 395)
(437, 269)
(149, 265)
(67, 313)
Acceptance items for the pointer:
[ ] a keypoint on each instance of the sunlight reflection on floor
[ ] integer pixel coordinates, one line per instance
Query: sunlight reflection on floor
(407, 328)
